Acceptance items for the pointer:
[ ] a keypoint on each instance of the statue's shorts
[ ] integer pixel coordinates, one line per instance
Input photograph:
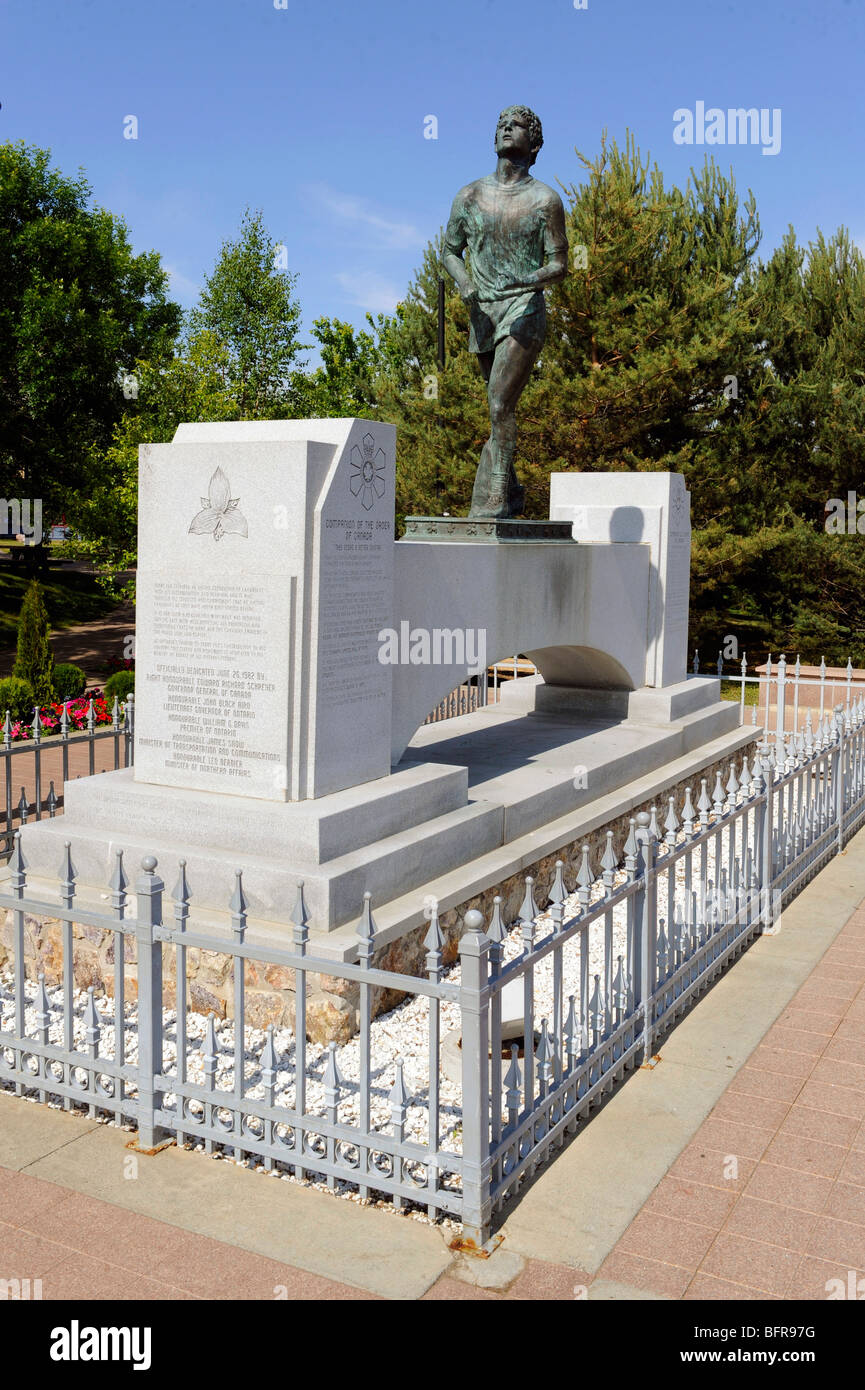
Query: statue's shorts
(524, 317)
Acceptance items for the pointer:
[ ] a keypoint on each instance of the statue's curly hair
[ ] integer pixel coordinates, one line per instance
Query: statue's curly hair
(536, 134)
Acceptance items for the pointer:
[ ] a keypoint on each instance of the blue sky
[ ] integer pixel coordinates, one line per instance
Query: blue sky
(315, 113)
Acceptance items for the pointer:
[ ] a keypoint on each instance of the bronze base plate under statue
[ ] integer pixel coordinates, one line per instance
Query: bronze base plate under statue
(495, 529)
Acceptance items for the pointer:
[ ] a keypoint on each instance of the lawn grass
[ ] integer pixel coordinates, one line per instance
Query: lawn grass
(732, 690)
(71, 597)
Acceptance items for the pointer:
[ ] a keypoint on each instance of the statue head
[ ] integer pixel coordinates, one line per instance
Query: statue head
(519, 134)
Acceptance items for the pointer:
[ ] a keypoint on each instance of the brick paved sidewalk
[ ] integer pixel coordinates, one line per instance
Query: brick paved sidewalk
(792, 1124)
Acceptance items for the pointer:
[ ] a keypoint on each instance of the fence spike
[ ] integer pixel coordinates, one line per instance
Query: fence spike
(496, 929)
(366, 931)
(558, 892)
(689, 815)
(654, 829)
(609, 863)
(64, 720)
(398, 1098)
(68, 873)
(620, 986)
(91, 1022)
(115, 713)
(23, 807)
(718, 794)
(300, 918)
(572, 1038)
(671, 824)
(529, 908)
(209, 1059)
(704, 805)
(268, 1060)
(7, 730)
(732, 788)
(18, 863)
(596, 1005)
(238, 905)
(43, 1008)
(332, 1078)
(91, 715)
(513, 1081)
(433, 941)
(51, 800)
(585, 877)
(181, 894)
(543, 1055)
(36, 729)
(632, 850)
(118, 884)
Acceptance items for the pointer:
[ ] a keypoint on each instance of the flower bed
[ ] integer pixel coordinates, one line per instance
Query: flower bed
(51, 717)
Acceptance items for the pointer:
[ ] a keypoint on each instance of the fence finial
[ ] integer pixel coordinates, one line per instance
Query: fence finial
(433, 941)
(528, 908)
(366, 931)
(496, 928)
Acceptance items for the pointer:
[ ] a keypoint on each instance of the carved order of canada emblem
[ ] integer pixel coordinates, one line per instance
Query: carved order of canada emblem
(219, 516)
(367, 479)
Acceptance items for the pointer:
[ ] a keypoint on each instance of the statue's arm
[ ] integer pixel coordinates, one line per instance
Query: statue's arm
(555, 266)
(452, 253)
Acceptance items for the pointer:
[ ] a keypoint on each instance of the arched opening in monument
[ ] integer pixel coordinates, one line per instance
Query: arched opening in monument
(580, 666)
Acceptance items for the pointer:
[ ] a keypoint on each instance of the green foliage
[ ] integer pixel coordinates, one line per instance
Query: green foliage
(247, 305)
(121, 684)
(77, 309)
(69, 681)
(235, 360)
(345, 384)
(34, 661)
(17, 697)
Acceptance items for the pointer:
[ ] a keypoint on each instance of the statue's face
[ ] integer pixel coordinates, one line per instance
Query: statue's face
(512, 137)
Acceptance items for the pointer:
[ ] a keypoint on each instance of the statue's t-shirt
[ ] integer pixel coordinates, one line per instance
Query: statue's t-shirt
(508, 230)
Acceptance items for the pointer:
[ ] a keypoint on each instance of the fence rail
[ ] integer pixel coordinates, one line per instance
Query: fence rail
(552, 1012)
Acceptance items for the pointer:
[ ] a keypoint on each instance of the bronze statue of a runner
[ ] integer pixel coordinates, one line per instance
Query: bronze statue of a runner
(513, 227)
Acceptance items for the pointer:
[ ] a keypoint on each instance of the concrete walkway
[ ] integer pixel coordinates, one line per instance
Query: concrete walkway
(733, 1169)
(88, 645)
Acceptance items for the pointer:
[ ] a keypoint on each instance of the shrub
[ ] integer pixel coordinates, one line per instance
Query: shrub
(17, 697)
(121, 684)
(69, 681)
(34, 661)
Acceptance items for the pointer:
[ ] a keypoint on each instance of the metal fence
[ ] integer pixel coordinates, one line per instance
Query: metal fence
(480, 690)
(785, 694)
(45, 753)
(552, 1013)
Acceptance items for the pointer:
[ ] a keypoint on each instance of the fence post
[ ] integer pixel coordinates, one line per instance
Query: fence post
(474, 1015)
(646, 926)
(149, 890)
(838, 775)
(765, 861)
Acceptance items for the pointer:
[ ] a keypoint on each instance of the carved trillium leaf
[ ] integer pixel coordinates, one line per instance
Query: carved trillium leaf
(219, 515)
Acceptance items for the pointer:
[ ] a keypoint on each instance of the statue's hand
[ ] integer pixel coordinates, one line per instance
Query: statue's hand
(469, 293)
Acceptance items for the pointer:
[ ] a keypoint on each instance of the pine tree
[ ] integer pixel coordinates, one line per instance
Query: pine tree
(34, 661)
